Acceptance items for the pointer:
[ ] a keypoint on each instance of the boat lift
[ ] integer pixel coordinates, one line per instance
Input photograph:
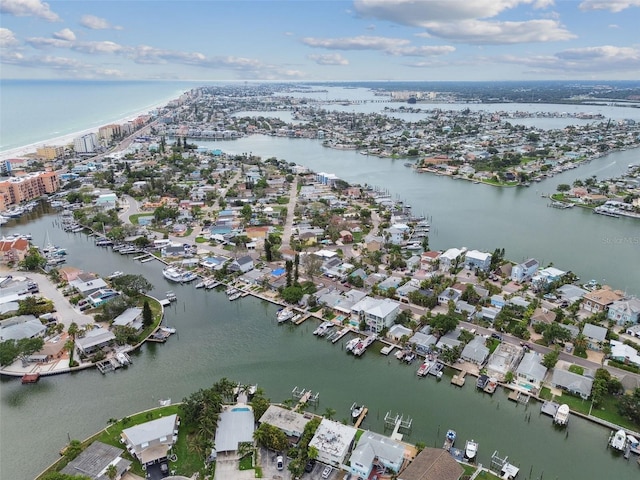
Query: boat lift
(397, 422)
(503, 467)
(305, 396)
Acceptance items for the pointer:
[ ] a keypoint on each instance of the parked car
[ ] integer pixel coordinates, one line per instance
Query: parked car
(327, 471)
(279, 462)
(310, 466)
(497, 336)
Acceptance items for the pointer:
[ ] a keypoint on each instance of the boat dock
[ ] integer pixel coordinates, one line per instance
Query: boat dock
(140, 257)
(361, 417)
(30, 378)
(459, 379)
(160, 336)
(387, 350)
(109, 365)
(518, 396)
(304, 396)
(302, 319)
(397, 422)
(335, 337)
(549, 408)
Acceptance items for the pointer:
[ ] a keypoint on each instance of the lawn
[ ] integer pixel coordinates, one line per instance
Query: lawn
(134, 218)
(156, 310)
(608, 410)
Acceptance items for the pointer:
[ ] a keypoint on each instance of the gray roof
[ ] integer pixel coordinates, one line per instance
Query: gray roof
(127, 317)
(531, 366)
(292, 423)
(572, 381)
(162, 427)
(235, 425)
(95, 337)
(28, 328)
(595, 332)
(373, 445)
(475, 351)
(422, 339)
(95, 459)
(246, 260)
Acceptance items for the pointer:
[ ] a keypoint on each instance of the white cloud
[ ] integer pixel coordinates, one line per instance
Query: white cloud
(613, 25)
(417, 12)
(70, 66)
(614, 6)
(605, 53)
(487, 33)
(424, 51)
(96, 23)
(99, 47)
(355, 43)
(40, 42)
(28, 8)
(329, 59)
(65, 34)
(7, 38)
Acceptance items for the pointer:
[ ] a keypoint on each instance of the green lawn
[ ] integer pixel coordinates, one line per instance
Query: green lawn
(134, 218)
(156, 309)
(608, 410)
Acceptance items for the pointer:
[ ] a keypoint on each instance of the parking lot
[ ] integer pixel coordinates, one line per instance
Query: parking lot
(269, 469)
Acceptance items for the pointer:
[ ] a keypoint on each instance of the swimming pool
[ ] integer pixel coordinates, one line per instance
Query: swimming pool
(241, 409)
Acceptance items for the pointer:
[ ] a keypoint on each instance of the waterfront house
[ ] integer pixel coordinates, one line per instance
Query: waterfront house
(524, 271)
(572, 382)
(13, 250)
(397, 331)
(150, 442)
(242, 264)
(432, 464)
(475, 351)
(624, 353)
(397, 233)
(450, 258)
(290, 422)
(505, 358)
(333, 440)
(476, 259)
(102, 296)
(377, 313)
(22, 326)
(94, 460)
(625, 311)
(375, 449)
(87, 287)
(422, 342)
(131, 317)
(94, 340)
(546, 277)
(595, 336)
(235, 426)
(428, 260)
(530, 373)
(599, 300)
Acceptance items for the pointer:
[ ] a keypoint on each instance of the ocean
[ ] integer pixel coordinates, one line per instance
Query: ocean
(33, 111)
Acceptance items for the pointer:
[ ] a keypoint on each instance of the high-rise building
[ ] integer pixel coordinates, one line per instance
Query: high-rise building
(27, 187)
(50, 152)
(86, 143)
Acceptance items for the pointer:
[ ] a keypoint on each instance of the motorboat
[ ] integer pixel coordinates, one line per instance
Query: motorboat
(356, 411)
(169, 330)
(482, 381)
(634, 444)
(470, 450)
(436, 370)
(115, 274)
(285, 314)
(449, 440)
(235, 295)
(562, 415)
(351, 344)
(199, 285)
(618, 440)
(491, 386)
(322, 329)
(178, 275)
(423, 370)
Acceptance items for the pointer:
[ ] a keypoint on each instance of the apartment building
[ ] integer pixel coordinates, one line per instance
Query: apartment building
(27, 187)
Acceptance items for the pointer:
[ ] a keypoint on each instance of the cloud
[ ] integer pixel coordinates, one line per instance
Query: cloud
(70, 66)
(96, 23)
(424, 51)
(329, 59)
(7, 38)
(98, 47)
(495, 33)
(65, 34)
(355, 43)
(418, 12)
(28, 8)
(614, 6)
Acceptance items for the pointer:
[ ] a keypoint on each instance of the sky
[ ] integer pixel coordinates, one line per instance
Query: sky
(321, 40)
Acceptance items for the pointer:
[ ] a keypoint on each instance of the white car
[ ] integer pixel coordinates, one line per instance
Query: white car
(279, 462)
(327, 471)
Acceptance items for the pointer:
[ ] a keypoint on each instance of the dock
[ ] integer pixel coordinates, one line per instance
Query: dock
(160, 336)
(302, 319)
(361, 417)
(459, 379)
(140, 257)
(397, 422)
(165, 302)
(338, 335)
(387, 350)
(30, 378)
(304, 396)
(549, 408)
(518, 396)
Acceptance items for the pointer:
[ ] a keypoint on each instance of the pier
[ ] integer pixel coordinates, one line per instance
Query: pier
(549, 408)
(339, 334)
(518, 396)
(361, 417)
(387, 350)
(459, 379)
(397, 422)
(302, 319)
(304, 396)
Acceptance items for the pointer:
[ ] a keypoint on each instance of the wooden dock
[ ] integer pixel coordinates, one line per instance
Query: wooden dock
(30, 378)
(459, 379)
(518, 396)
(387, 350)
(549, 408)
(361, 417)
(340, 334)
(302, 319)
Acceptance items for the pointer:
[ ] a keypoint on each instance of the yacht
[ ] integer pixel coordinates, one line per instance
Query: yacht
(178, 275)
(424, 368)
(115, 274)
(285, 314)
(351, 344)
(356, 411)
(470, 450)
(562, 415)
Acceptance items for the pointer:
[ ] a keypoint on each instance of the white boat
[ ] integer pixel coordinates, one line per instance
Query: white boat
(169, 330)
(200, 285)
(285, 314)
(178, 275)
(449, 440)
(235, 296)
(618, 440)
(562, 415)
(115, 274)
(356, 411)
(322, 328)
(165, 402)
(351, 344)
(634, 444)
(123, 358)
(423, 370)
(470, 450)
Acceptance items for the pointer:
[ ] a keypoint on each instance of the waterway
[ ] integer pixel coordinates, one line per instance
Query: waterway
(241, 340)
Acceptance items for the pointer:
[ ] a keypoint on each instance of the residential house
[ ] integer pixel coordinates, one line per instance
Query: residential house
(498, 301)
(599, 300)
(375, 447)
(531, 372)
(448, 341)
(572, 382)
(346, 236)
(13, 250)
(403, 291)
(524, 271)
(94, 340)
(290, 422)
(150, 442)
(397, 233)
(432, 464)
(236, 425)
(388, 283)
(595, 336)
(131, 317)
(422, 342)
(449, 294)
(476, 259)
(546, 277)
(333, 440)
(624, 353)
(571, 293)
(87, 287)
(397, 331)
(542, 315)
(376, 313)
(23, 326)
(242, 264)
(428, 260)
(94, 460)
(475, 351)
(488, 314)
(450, 258)
(518, 301)
(625, 311)
(102, 296)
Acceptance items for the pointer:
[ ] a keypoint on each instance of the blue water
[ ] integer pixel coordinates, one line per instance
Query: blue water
(33, 111)
(240, 409)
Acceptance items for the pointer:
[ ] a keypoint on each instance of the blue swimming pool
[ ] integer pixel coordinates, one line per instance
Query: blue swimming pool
(241, 409)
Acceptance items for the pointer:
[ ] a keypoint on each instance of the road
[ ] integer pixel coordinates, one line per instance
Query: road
(288, 224)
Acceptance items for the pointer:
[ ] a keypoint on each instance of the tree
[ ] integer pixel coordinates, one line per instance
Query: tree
(132, 285)
(246, 212)
(33, 260)
(563, 187)
(551, 358)
(441, 324)
(629, 406)
(292, 294)
(329, 413)
(312, 265)
(271, 437)
(147, 314)
(112, 472)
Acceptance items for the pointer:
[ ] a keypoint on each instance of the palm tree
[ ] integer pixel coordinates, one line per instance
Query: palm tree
(112, 472)
(329, 413)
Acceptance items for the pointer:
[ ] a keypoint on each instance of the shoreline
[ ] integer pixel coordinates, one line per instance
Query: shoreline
(63, 140)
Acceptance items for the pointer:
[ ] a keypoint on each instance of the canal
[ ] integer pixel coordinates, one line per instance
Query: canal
(241, 341)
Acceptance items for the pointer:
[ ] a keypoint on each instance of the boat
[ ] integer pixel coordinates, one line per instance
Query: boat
(322, 329)
(165, 402)
(356, 411)
(436, 370)
(115, 274)
(285, 314)
(400, 354)
(104, 242)
(362, 345)
(171, 296)
(618, 440)
(351, 344)
(482, 381)
(178, 275)
(634, 444)
(409, 357)
(470, 450)
(199, 285)
(123, 359)
(491, 386)
(562, 415)
(169, 330)
(449, 440)
(235, 295)
(423, 370)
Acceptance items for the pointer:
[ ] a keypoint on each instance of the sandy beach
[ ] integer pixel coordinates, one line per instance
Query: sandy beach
(63, 140)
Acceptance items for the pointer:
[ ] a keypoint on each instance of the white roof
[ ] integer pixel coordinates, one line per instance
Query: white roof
(333, 438)
(154, 430)
(128, 316)
(452, 253)
(235, 426)
(478, 255)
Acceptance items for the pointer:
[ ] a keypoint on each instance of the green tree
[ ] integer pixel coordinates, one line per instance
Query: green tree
(112, 472)
(147, 314)
(292, 294)
(33, 260)
(551, 358)
(132, 285)
(563, 187)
